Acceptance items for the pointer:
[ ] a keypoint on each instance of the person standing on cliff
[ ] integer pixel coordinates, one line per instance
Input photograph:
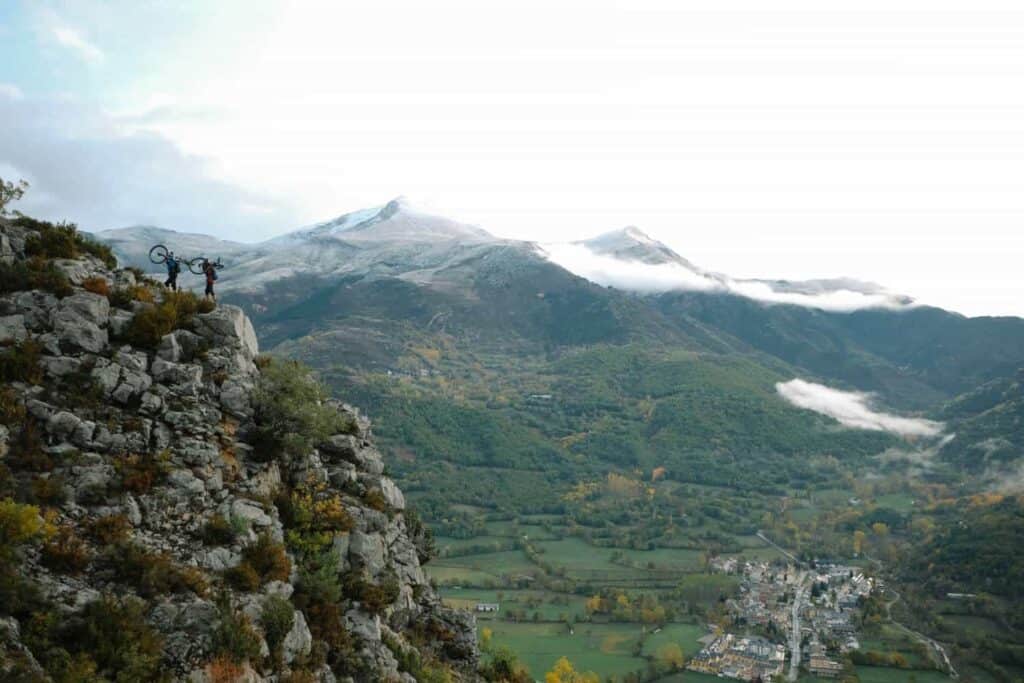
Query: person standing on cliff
(173, 268)
(211, 277)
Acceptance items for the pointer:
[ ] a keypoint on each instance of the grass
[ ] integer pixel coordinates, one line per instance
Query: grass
(686, 636)
(603, 648)
(878, 674)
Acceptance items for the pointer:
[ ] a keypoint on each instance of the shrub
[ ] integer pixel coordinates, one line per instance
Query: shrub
(223, 670)
(176, 311)
(109, 529)
(234, 638)
(27, 450)
(12, 410)
(20, 363)
(313, 514)
(48, 490)
(375, 500)
(122, 297)
(421, 535)
(66, 552)
(268, 559)
(35, 273)
(19, 524)
(62, 241)
(218, 531)
(373, 597)
(140, 472)
(152, 573)
(243, 577)
(97, 285)
(117, 637)
(277, 618)
(291, 415)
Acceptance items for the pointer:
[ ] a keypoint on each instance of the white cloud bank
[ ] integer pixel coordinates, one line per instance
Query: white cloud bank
(638, 276)
(853, 409)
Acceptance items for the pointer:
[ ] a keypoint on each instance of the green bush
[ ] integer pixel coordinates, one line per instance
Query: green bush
(277, 618)
(35, 273)
(235, 638)
(176, 311)
(109, 529)
(115, 635)
(373, 597)
(66, 552)
(123, 297)
(27, 450)
(140, 472)
(20, 362)
(291, 415)
(218, 531)
(62, 241)
(152, 574)
(242, 577)
(268, 558)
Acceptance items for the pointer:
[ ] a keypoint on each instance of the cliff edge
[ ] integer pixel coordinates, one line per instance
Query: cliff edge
(174, 506)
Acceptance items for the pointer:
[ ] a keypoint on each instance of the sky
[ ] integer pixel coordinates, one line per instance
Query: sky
(882, 140)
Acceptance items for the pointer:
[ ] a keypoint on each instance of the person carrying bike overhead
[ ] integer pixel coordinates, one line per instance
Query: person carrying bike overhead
(173, 268)
(211, 277)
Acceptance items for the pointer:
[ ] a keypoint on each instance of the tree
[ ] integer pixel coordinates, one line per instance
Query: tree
(10, 192)
(563, 672)
(858, 542)
(486, 635)
(671, 655)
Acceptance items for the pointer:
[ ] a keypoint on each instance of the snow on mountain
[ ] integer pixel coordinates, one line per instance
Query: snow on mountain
(631, 260)
(401, 240)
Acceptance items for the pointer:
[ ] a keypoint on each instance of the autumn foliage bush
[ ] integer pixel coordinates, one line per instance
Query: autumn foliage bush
(176, 311)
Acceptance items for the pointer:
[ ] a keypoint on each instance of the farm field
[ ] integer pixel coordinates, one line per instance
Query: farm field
(603, 648)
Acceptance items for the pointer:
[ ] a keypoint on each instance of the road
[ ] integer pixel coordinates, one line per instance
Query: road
(761, 535)
(934, 646)
(794, 636)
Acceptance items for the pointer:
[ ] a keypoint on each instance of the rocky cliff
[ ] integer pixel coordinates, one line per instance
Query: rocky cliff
(176, 507)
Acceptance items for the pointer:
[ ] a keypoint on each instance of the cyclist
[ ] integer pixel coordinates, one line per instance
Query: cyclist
(211, 277)
(173, 268)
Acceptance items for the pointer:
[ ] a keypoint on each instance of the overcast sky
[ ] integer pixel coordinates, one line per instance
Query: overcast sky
(882, 140)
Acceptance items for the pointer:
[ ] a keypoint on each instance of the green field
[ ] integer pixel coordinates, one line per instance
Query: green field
(683, 635)
(878, 674)
(602, 648)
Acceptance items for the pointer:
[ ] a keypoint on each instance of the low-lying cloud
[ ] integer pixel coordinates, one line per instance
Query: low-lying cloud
(854, 409)
(653, 278)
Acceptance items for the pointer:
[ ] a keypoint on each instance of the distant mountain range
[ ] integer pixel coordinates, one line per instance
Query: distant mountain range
(472, 323)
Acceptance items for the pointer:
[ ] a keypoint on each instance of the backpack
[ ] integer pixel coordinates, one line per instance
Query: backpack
(213, 273)
(176, 268)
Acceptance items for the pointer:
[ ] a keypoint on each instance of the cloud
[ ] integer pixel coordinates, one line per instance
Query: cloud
(11, 91)
(853, 409)
(87, 167)
(55, 29)
(636, 276)
(70, 38)
(630, 275)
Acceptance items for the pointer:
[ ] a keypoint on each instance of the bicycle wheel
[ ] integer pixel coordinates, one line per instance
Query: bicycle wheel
(196, 266)
(158, 254)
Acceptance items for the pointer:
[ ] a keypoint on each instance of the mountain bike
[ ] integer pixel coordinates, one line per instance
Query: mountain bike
(159, 253)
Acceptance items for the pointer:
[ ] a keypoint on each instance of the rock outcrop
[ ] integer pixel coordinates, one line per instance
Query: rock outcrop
(156, 481)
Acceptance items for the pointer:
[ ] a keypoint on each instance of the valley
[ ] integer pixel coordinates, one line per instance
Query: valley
(586, 456)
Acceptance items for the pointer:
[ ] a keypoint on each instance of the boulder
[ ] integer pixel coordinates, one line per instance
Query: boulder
(76, 332)
(250, 512)
(91, 307)
(228, 325)
(12, 328)
(299, 640)
(367, 551)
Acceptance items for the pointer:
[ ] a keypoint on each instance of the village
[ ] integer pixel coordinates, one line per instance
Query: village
(808, 614)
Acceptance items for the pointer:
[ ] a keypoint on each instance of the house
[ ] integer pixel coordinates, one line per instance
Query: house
(487, 607)
(823, 667)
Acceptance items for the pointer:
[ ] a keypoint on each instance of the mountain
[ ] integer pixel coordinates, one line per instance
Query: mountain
(447, 331)
(174, 507)
(989, 427)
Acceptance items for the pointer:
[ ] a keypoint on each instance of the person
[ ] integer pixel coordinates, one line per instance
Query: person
(211, 277)
(173, 268)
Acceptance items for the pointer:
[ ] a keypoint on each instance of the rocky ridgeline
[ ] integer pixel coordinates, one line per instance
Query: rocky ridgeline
(146, 463)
